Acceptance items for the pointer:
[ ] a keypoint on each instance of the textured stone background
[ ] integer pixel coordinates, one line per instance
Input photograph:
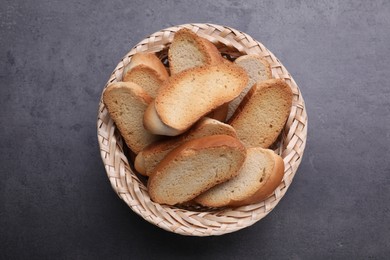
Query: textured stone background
(55, 198)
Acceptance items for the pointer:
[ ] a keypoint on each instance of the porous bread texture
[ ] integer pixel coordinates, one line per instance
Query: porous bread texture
(154, 153)
(146, 70)
(262, 114)
(258, 69)
(188, 50)
(126, 103)
(258, 177)
(146, 77)
(186, 97)
(195, 167)
(147, 59)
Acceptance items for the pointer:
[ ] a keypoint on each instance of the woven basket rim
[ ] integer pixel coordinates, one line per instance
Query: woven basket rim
(131, 189)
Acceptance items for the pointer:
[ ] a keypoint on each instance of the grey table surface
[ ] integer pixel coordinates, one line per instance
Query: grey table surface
(55, 197)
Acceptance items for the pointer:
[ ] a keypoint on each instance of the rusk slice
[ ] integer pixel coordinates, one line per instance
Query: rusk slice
(186, 97)
(258, 69)
(258, 177)
(262, 114)
(153, 154)
(188, 50)
(149, 60)
(146, 70)
(126, 103)
(195, 167)
(148, 78)
(152, 122)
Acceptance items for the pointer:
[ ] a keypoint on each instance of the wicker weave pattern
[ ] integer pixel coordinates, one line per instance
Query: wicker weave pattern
(211, 222)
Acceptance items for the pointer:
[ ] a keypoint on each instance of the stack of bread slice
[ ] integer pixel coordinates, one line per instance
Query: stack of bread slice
(201, 127)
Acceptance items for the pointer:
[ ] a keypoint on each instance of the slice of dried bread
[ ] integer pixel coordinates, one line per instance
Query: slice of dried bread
(152, 122)
(258, 69)
(262, 114)
(147, 59)
(188, 50)
(148, 78)
(195, 167)
(126, 103)
(258, 177)
(146, 70)
(186, 97)
(153, 154)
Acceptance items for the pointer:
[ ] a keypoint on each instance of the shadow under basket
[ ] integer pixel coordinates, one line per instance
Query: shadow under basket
(197, 221)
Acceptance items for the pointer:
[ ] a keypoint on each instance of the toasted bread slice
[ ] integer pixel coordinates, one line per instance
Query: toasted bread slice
(149, 60)
(195, 167)
(126, 103)
(153, 154)
(146, 70)
(188, 50)
(262, 114)
(258, 70)
(186, 97)
(258, 177)
(152, 122)
(146, 77)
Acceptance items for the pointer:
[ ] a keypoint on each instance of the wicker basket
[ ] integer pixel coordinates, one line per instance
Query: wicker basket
(200, 222)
